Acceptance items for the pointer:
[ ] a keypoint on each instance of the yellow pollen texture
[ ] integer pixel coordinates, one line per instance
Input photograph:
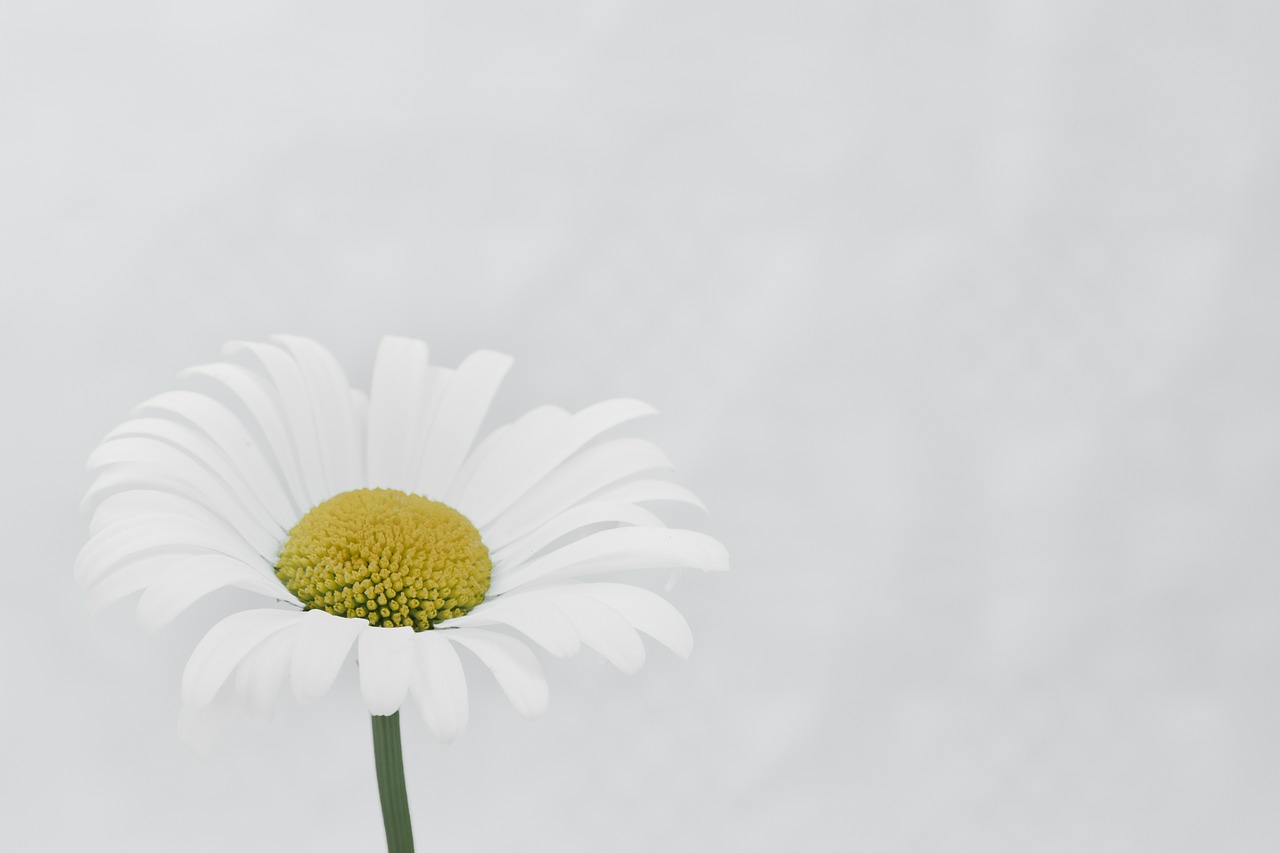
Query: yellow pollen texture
(386, 556)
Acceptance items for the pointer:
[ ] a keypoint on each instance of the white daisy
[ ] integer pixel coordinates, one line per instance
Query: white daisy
(378, 522)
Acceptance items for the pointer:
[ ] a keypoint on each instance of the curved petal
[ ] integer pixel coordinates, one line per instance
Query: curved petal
(439, 686)
(645, 611)
(329, 394)
(322, 646)
(260, 402)
(136, 536)
(643, 491)
(516, 668)
(617, 550)
(263, 672)
(531, 615)
(569, 521)
(428, 407)
(396, 412)
(172, 471)
(122, 506)
(188, 580)
(456, 421)
(544, 615)
(126, 579)
(224, 646)
(160, 440)
(386, 664)
(480, 456)
(603, 629)
(290, 388)
(557, 446)
(236, 444)
(580, 477)
(222, 509)
(486, 476)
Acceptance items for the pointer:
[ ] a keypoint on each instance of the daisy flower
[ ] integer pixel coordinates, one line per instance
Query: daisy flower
(378, 523)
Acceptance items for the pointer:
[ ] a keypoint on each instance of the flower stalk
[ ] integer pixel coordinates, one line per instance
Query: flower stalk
(389, 762)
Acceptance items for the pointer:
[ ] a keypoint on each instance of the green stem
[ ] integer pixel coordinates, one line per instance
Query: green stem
(390, 765)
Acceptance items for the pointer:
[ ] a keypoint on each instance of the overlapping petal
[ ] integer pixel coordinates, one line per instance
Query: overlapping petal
(572, 521)
(184, 581)
(439, 686)
(290, 388)
(582, 476)
(399, 411)
(546, 444)
(561, 618)
(462, 407)
(255, 395)
(237, 445)
(329, 399)
(323, 645)
(386, 666)
(226, 645)
(513, 665)
(614, 550)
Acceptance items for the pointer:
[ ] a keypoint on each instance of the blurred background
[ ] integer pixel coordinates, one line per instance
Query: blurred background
(961, 318)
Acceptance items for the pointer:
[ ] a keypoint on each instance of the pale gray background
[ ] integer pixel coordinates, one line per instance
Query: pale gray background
(961, 317)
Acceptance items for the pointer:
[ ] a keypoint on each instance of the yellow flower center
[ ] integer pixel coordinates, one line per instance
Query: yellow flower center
(387, 556)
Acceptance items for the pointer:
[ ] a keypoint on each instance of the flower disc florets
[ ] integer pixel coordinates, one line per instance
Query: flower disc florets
(387, 556)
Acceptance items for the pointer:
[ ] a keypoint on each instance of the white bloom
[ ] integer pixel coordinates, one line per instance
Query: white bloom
(195, 494)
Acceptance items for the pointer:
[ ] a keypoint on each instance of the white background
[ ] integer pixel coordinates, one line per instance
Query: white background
(960, 316)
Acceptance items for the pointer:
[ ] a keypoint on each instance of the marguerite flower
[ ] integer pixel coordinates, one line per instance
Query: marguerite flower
(378, 522)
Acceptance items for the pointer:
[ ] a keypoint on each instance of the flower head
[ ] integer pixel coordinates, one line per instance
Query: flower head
(379, 522)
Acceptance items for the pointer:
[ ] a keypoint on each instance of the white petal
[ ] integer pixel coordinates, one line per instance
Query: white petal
(480, 456)
(191, 578)
(261, 674)
(151, 464)
(237, 444)
(644, 610)
(603, 629)
(618, 550)
(643, 491)
(530, 614)
(439, 686)
(224, 646)
(322, 646)
(126, 579)
(489, 471)
(386, 664)
(396, 412)
(569, 521)
(261, 403)
(290, 387)
(136, 536)
(559, 445)
(427, 407)
(515, 667)
(580, 477)
(330, 397)
(221, 510)
(455, 423)
(157, 439)
(543, 615)
(121, 506)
